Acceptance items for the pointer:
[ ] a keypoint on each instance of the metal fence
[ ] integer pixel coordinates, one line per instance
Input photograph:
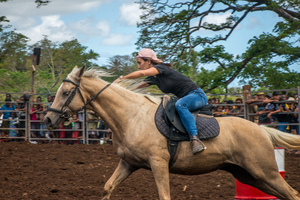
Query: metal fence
(20, 125)
(250, 113)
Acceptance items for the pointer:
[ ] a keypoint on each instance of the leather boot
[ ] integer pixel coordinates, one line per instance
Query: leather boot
(196, 145)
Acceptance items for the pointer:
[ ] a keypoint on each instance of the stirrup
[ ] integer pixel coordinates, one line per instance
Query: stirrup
(201, 148)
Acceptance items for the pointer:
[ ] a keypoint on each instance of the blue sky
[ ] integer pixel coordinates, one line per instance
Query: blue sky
(109, 26)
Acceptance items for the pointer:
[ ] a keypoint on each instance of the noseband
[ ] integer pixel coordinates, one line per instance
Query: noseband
(63, 111)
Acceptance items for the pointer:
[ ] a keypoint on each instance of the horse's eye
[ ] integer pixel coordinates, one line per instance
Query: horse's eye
(66, 93)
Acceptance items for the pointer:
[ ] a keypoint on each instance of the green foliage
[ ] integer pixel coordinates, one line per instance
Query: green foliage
(120, 65)
(14, 81)
(57, 60)
(172, 30)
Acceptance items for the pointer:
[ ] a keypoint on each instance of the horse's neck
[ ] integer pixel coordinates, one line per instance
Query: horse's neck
(117, 106)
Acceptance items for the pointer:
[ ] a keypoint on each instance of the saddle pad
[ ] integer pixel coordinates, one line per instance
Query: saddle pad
(207, 127)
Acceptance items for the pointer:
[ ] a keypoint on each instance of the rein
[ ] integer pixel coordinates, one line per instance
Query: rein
(70, 98)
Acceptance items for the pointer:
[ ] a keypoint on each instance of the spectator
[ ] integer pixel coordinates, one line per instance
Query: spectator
(293, 116)
(21, 115)
(92, 120)
(40, 103)
(262, 112)
(75, 126)
(219, 111)
(62, 133)
(271, 106)
(8, 96)
(225, 108)
(13, 121)
(230, 107)
(6, 114)
(282, 119)
(211, 100)
(239, 109)
(283, 97)
(49, 104)
(35, 125)
(217, 101)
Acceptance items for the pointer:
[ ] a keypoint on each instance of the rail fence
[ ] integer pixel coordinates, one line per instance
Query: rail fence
(89, 129)
(20, 125)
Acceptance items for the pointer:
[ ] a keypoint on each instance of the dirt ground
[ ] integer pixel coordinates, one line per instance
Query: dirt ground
(53, 171)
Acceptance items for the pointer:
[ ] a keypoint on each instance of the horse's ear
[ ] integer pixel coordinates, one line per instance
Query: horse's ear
(80, 72)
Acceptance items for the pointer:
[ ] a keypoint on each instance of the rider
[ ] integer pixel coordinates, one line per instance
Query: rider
(191, 97)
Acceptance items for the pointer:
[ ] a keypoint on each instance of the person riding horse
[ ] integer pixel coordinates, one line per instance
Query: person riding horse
(191, 97)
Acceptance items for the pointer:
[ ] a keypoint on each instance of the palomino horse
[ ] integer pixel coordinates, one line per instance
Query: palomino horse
(242, 148)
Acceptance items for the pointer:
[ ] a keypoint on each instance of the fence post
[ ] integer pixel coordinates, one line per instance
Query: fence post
(84, 133)
(246, 96)
(298, 92)
(27, 120)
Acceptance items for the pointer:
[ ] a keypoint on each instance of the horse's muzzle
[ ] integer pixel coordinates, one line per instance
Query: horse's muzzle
(48, 123)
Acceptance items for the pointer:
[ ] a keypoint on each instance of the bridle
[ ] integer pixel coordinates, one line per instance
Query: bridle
(63, 111)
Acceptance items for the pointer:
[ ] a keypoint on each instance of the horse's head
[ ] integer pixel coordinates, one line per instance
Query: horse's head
(69, 98)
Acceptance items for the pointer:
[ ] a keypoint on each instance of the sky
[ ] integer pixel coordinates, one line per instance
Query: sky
(108, 27)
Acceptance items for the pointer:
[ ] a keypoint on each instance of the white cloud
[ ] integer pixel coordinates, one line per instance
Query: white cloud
(130, 13)
(51, 26)
(91, 27)
(117, 40)
(104, 27)
(217, 18)
(27, 8)
(253, 22)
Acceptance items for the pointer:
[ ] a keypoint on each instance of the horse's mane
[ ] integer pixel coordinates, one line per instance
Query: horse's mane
(128, 84)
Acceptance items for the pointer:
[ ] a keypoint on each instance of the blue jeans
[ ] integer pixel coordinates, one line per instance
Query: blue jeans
(194, 100)
(283, 126)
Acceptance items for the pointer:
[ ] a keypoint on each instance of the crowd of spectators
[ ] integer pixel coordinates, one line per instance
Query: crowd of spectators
(13, 115)
(275, 109)
(227, 107)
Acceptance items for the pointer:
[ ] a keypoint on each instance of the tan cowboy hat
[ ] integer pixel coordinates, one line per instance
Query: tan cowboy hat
(291, 99)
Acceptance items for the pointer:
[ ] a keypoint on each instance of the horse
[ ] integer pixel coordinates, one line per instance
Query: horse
(243, 148)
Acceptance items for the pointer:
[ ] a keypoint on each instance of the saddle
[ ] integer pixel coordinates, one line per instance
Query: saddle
(172, 117)
(169, 124)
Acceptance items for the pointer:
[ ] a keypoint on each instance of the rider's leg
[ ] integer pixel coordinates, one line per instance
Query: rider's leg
(193, 101)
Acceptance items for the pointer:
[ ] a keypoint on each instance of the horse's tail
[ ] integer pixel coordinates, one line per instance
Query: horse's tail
(281, 139)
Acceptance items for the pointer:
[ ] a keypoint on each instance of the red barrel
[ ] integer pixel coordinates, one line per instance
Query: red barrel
(246, 192)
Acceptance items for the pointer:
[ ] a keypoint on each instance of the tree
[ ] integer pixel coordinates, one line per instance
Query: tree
(120, 65)
(10, 41)
(172, 29)
(58, 59)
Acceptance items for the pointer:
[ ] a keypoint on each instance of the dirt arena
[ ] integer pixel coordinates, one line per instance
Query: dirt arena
(53, 171)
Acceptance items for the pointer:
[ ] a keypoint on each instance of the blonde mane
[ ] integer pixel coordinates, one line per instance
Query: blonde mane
(128, 84)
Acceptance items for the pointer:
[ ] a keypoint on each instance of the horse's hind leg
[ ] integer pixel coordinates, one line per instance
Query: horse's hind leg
(269, 181)
(122, 171)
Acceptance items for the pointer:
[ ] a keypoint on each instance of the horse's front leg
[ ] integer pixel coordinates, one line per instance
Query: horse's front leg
(120, 174)
(160, 170)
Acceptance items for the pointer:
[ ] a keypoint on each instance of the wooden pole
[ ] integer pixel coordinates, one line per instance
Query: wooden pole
(247, 96)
